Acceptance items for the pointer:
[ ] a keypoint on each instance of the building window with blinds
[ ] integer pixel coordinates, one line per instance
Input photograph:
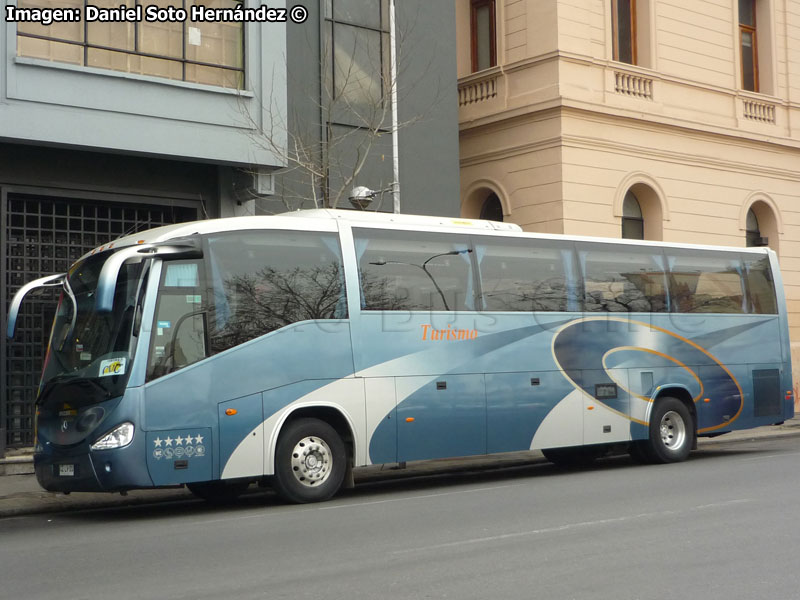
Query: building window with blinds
(198, 51)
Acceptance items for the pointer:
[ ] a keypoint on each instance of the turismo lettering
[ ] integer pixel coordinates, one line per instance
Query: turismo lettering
(449, 334)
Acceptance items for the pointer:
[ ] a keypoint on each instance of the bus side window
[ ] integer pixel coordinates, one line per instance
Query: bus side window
(265, 280)
(760, 285)
(522, 275)
(705, 283)
(622, 279)
(412, 271)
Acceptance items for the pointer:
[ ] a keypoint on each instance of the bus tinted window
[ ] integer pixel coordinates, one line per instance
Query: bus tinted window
(524, 275)
(179, 335)
(705, 283)
(409, 270)
(760, 285)
(265, 280)
(622, 279)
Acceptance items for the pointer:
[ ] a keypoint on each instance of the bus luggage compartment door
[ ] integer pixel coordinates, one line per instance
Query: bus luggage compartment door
(440, 417)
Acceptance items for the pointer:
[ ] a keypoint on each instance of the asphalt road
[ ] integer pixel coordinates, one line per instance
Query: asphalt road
(721, 525)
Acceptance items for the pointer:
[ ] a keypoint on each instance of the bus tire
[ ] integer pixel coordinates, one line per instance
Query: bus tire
(310, 461)
(218, 492)
(671, 433)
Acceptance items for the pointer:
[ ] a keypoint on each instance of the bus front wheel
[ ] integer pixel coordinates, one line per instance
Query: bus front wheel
(671, 433)
(310, 461)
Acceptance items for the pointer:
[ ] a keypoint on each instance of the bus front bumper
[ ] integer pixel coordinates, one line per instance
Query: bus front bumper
(80, 469)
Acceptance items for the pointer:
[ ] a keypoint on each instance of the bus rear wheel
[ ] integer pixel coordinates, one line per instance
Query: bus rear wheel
(671, 434)
(310, 461)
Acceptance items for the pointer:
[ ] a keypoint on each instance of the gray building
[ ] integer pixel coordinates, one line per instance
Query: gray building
(108, 128)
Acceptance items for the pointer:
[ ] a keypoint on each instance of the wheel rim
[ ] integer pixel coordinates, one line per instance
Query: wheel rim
(311, 461)
(673, 431)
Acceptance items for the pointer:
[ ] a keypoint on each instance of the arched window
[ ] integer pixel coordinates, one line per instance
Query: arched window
(492, 209)
(753, 231)
(632, 220)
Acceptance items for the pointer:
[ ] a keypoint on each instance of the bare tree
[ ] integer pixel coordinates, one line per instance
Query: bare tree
(354, 125)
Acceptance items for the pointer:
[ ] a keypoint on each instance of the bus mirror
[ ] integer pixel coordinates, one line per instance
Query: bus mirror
(13, 311)
(106, 285)
(107, 282)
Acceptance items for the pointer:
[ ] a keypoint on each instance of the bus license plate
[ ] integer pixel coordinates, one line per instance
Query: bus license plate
(66, 470)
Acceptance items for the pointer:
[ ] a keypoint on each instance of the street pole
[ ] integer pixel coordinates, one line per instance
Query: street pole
(393, 79)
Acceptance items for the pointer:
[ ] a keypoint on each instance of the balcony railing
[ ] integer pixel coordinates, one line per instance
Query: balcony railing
(477, 90)
(633, 85)
(755, 110)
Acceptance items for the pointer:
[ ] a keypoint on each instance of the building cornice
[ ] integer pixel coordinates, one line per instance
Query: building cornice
(561, 100)
(628, 149)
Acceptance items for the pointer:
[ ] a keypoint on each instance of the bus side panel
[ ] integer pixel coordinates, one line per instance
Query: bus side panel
(441, 418)
(381, 426)
(241, 427)
(190, 398)
(456, 351)
(518, 404)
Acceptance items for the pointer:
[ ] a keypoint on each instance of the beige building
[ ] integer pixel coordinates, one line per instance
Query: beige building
(675, 120)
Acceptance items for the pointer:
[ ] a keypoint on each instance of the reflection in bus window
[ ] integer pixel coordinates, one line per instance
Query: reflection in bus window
(264, 282)
(760, 285)
(705, 283)
(404, 270)
(623, 279)
(524, 275)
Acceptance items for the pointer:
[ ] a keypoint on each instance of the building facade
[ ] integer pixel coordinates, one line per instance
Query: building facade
(112, 127)
(654, 119)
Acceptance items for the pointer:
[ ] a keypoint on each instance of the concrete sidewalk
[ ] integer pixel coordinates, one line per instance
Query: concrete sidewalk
(20, 494)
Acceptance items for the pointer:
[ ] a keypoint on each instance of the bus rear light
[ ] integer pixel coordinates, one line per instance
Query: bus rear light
(118, 437)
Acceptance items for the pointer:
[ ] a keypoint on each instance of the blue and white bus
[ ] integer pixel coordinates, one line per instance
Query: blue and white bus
(289, 350)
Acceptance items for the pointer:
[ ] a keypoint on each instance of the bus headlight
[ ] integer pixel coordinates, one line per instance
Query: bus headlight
(119, 437)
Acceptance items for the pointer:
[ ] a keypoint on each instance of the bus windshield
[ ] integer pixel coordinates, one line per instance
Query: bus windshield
(92, 351)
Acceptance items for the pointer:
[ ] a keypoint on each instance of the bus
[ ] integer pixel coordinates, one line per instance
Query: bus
(290, 350)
